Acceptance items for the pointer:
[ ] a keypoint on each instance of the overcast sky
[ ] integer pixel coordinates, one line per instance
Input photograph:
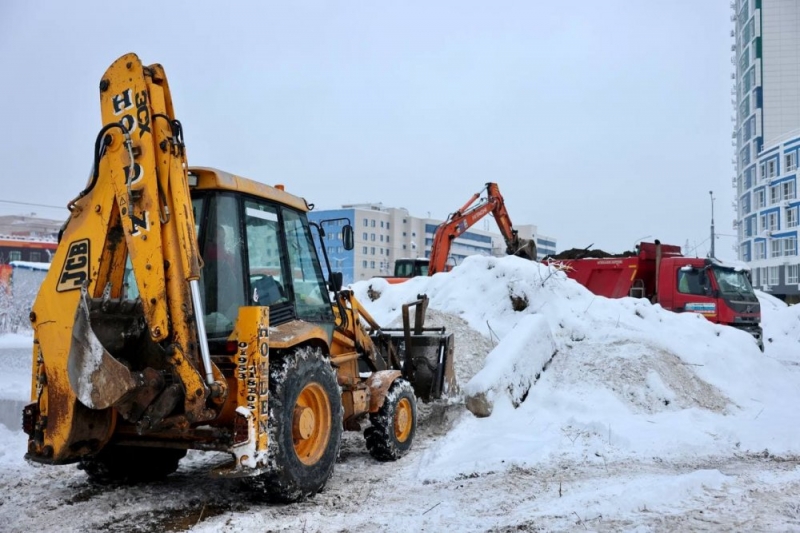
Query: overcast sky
(602, 122)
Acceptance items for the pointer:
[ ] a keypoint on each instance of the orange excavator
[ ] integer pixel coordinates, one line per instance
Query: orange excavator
(459, 222)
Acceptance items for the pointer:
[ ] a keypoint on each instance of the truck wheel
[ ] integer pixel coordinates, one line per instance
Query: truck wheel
(394, 425)
(131, 464)
(305, 425)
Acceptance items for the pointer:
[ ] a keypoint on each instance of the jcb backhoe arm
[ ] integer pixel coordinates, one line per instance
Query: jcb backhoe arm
(463, 219)
(96, 347)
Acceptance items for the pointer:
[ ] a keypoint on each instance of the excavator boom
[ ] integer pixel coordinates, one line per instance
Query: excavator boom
(470, 213)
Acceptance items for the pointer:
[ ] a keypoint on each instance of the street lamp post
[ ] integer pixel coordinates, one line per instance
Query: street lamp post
(711, 194)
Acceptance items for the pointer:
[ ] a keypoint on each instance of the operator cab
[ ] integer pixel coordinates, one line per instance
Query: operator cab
(256, 252)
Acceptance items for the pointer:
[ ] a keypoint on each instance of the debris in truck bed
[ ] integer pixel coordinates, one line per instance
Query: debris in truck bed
(580, 253)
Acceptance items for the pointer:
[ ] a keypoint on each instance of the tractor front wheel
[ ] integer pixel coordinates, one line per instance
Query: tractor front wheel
(394, 425)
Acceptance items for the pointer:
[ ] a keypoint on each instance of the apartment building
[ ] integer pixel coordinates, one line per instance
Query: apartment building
(766, 96)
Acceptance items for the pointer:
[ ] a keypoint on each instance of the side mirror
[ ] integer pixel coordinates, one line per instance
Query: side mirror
(347, 238)
(335, 282)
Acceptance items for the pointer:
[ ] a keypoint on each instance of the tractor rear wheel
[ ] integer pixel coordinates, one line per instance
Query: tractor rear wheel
(131, 464)
(305, 425)
(394, 425)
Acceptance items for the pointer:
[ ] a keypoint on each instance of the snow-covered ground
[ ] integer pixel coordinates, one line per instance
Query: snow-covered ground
(644, 420)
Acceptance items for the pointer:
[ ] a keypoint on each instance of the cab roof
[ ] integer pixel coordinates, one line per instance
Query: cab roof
(214, 179)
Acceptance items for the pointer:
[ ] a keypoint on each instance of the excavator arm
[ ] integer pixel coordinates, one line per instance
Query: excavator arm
(470, 213)
(134, 220)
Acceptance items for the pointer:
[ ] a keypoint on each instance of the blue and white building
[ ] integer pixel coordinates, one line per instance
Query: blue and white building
(766, 94)
(385, 234)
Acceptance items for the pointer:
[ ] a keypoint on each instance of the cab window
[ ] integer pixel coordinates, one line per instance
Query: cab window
(222, 286)
(692, 282)
(311, 294)
(267, 279)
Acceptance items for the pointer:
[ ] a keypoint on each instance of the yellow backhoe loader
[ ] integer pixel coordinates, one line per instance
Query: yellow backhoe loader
(186, 308)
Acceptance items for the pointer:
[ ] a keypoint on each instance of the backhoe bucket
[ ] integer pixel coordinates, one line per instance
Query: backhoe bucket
(97, 378)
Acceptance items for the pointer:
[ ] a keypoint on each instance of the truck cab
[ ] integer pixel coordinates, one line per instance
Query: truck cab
(721, 293)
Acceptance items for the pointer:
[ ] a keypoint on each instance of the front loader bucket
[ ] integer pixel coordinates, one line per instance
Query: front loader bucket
(424, 355)
(97, 378)
(428, 365)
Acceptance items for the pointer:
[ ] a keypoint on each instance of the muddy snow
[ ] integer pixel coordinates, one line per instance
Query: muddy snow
(644, 420)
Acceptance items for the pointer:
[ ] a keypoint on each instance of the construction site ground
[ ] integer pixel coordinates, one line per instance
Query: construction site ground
(644, 421)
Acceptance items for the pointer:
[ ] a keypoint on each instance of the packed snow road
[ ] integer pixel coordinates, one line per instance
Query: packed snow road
(744, 493)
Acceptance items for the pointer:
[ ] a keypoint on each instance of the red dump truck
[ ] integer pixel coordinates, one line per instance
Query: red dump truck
(659, 272)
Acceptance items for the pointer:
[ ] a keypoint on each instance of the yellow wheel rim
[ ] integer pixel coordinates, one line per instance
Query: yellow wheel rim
(403, 420)
(311, 423)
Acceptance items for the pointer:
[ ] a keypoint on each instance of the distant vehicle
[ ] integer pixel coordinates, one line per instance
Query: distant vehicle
(659, 272)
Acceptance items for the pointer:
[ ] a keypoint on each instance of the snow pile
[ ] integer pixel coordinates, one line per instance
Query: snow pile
(630, 380)
(781, 325)
(513, 367)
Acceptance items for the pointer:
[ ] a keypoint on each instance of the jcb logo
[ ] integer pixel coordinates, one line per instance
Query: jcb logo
(76, 268)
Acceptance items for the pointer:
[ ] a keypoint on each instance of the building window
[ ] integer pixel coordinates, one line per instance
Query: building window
(381, 238)
(773, 275)
(761, 250)
(372, 264)
(372, 236)
(15, 256)
(791, 217)
(387, 238)
(365, 236)
(381, 223)
(364, 264)
(769, 221)
(791, 274)
(404, 247)
(774, 194)
(413, 233)
(787, 188)
(790, 161)
(760, 198)
(35, 257)
(771, 168)
(775, 248)
(790, 246)
(366, 222)
(363, 249)
(372, 250)
(387, 225)
(372, 223)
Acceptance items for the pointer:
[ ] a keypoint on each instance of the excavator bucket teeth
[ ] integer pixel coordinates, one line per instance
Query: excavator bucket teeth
(97, 378)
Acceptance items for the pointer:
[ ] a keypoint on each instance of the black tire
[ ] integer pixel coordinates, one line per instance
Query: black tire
(131, 464)
(394, 425)
(300, 467)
